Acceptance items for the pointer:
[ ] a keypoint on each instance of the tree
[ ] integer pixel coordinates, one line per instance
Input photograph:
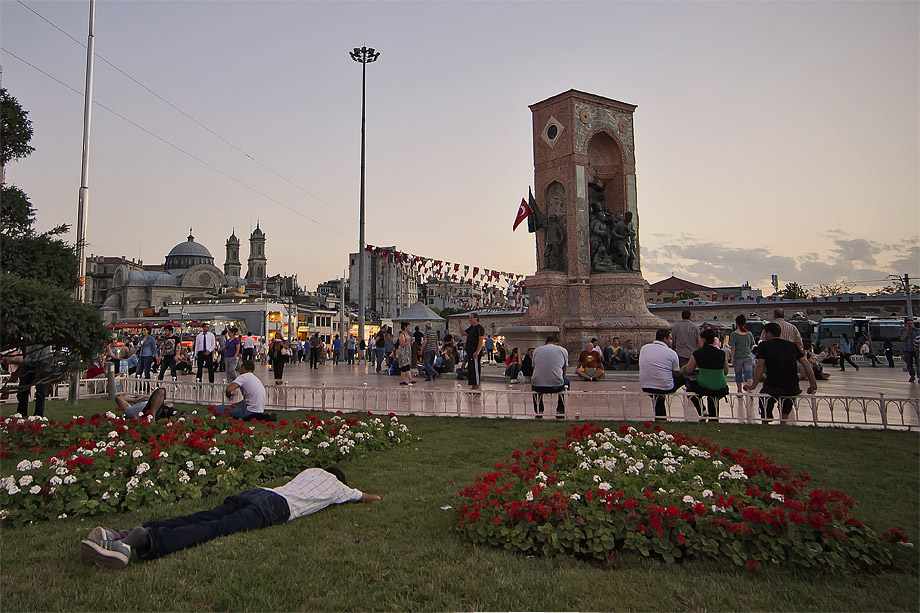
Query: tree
(39, 271)
(895, 289)
(833, 289)
(15, 130)
(794, 291)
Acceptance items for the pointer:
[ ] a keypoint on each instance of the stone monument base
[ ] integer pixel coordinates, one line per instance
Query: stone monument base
(602, 306)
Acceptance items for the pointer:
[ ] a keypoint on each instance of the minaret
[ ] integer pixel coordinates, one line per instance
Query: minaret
(257, 259)
(232, 266)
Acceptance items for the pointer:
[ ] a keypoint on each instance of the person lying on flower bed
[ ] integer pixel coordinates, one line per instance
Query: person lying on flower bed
(312, 490)
(155, 405)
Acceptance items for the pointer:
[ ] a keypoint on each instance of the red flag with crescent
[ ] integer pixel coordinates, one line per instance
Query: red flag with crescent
(524, 211)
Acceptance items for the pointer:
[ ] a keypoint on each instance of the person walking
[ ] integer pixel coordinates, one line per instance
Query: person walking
(314, 350)
(278, 353)
(249, 348)
(336, 349)
(475, 342)
(845, 353)
(741, 342)
(430, 351)
(167, 354)
(350, 349)
(404, 354)
(205, 344)
(232, 352)
(146, 352)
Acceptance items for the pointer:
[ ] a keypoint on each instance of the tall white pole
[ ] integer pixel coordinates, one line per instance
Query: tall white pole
(342, 336)
(84, 173)
(73, 395)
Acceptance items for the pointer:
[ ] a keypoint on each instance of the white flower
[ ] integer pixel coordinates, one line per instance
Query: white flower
(202, 472)
(247, 454)
(323, 445)
(529, 497)
(597, 478)
(60, 470)
(541, 476)
(604, 486)
(105, 496)
(220, 462)
(110, 415)
(62, 516)
(560, 484)
(163, 454)
(259, 458)
(113, 434)
(189, 465)
(12, 489)
(25, 480)
(707, 493)
(137, 453)
(142, 468)
(69, 479)
(575, 497)
(106, 474)
(35, 489)
(689, 500)
(55, 480)
(183, 477)
(776, 496)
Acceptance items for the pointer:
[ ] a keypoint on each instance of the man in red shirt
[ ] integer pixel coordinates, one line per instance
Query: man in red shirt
(590, 367)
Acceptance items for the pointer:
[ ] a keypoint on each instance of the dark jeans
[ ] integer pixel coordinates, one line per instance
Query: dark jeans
(513, 370)
(845, 359)
(314, 357)
(767, 404)
(249, 354)
(430, 370)
(26, 381)
(661, 410)
(168, 361)
(278, 366)
(144, 363)
(205, 359)
(910, 358)
(539, 390)
(380, 353)
(249, 510)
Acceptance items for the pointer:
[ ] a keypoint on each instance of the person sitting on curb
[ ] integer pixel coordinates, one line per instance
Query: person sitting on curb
(590, 366)
(312, 490)
(253, 391)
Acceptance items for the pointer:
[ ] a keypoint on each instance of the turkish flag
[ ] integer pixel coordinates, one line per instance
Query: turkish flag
(523, 213)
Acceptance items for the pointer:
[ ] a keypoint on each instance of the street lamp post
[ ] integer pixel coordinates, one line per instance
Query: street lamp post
(364, 56)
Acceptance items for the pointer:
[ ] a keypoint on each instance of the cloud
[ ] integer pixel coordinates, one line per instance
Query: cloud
(861, 262)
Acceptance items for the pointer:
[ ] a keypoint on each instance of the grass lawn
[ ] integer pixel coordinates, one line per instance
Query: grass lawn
(402, 554)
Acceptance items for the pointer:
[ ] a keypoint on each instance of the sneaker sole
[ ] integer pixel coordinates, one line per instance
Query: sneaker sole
(100, 556)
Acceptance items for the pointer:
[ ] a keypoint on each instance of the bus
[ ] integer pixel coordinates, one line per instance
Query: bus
(830, 330)
(882, 328)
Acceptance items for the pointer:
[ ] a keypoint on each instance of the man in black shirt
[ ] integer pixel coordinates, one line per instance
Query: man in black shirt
(779, 358)
(475, 339)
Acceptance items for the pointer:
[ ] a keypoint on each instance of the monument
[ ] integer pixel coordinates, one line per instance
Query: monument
(588, 281)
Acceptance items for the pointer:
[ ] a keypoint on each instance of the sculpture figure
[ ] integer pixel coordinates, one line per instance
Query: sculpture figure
(599, 229)
(553, 225)
(624, 242)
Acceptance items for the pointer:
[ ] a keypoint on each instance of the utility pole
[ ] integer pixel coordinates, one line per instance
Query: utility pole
(342, 319)
(910, 307)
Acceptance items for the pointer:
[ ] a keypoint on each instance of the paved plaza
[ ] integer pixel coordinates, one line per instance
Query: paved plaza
(868, 381)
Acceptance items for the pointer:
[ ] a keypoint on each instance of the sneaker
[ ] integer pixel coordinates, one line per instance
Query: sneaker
(111, 554)
(100, 533)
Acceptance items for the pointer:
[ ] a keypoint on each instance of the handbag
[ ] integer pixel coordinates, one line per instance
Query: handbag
(286, 351)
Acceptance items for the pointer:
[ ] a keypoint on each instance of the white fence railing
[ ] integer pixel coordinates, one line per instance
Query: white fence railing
(816, 410)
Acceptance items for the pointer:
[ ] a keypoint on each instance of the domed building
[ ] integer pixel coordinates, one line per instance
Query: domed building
(188, 273)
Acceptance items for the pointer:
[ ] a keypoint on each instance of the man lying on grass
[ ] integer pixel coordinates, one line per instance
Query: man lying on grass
(312, 490)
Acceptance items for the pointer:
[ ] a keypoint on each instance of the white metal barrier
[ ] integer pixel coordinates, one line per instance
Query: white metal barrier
(516, 403)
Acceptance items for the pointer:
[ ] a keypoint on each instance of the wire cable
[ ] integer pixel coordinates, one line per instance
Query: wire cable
(186, 115)
(176, 147)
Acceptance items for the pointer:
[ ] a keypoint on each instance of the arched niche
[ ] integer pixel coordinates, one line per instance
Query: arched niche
(605, 159)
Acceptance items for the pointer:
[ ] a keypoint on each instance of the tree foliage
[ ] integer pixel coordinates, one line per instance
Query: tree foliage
(895, 289)
(15, 129)
(794, 291)
(38, 271)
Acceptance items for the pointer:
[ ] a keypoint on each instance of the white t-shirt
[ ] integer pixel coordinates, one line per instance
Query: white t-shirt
(253, 392)
(249, 342)
(549, 362)
(313, 490)
(657, 363)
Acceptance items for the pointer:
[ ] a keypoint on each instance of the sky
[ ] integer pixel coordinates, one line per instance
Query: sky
(771, 137)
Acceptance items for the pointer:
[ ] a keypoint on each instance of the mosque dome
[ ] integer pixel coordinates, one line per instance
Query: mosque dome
(185, 255)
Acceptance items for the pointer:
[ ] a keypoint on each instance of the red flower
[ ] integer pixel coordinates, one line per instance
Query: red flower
(496, 520)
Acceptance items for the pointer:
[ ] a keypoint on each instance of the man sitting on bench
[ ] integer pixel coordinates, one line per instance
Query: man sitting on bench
(253, 403)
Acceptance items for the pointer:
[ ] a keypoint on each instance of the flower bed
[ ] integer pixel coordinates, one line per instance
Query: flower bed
(107, 464)
(664, 495)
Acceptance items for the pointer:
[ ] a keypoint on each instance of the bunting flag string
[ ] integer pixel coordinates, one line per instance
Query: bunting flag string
(461, 285)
